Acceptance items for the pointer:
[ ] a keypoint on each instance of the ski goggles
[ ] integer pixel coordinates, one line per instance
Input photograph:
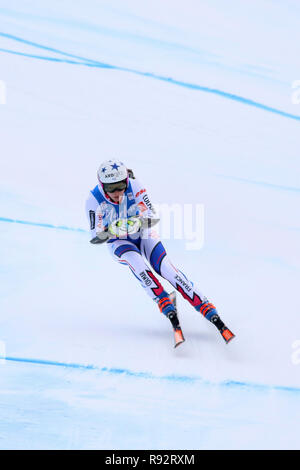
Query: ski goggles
(112, 187)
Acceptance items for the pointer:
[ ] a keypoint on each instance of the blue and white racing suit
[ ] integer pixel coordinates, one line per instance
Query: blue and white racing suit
(143, 252)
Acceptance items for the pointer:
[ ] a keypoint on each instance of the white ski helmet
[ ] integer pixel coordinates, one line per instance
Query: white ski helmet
(112, 171)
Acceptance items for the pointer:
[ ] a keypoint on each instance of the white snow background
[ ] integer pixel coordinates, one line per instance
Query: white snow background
(196, 97)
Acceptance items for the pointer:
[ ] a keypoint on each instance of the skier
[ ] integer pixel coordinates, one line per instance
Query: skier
(120, 213)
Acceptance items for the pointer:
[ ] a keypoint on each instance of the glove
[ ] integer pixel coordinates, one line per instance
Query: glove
(125, 227)
(148, 222)
(101, 237)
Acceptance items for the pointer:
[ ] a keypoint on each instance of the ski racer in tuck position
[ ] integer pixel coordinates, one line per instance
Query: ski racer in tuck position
(121, 215)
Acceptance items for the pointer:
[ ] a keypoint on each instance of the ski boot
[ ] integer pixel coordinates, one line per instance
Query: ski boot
(167, 306)
(209, 311)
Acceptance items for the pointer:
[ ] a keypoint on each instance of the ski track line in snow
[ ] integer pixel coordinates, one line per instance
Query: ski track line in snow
(39, 224)
(234, 178)
(294, 189)
(149, 375)
(80, 230)
(115, 33)
(207, 57)
(93, 63)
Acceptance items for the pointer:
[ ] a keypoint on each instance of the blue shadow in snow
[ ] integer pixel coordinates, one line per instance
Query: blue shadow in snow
(147, 375)
(39, 224)
(191, 86)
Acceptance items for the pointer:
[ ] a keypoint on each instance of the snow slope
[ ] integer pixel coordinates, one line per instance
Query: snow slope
(199, 102)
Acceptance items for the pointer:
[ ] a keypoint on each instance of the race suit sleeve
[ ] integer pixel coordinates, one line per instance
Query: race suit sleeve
(98, 229)
(144, 205)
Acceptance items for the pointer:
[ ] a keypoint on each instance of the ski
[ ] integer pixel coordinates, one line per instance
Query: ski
(178, 335)
(227, 335)
(225, 332)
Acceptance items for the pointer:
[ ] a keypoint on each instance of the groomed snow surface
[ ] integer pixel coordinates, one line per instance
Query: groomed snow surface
(197, 99)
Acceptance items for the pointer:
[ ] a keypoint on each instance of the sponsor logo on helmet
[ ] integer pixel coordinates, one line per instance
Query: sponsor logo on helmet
(114, 176)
